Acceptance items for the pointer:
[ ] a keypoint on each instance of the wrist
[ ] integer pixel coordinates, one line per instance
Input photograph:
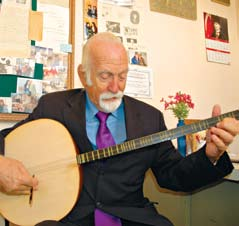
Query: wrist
(213, 160)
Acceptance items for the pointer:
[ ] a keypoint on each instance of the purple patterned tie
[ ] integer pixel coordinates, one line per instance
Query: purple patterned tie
(104, 139)
(105, 219)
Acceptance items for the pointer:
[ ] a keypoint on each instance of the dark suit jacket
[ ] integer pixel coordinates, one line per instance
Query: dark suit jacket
(116, 186)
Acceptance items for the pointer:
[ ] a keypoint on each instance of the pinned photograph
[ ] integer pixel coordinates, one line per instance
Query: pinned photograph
(24, 67)
(90, 28)
(41, 55)
(31, 87)
(23, 103)
(91, 8)
(132, 43)
(28, 93)
(138, 58)
(55, 73)
(5, 105)
(6, 65)
(113, 27)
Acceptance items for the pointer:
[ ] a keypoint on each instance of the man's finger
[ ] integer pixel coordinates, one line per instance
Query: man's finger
(216, 110)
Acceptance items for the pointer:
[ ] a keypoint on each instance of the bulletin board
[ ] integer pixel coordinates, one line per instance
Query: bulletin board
(8, 82)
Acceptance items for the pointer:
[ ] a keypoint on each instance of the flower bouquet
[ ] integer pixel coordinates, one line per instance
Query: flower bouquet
(180, 104)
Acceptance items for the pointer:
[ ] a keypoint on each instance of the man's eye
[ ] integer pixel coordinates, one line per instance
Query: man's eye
(122, 76)
(104, 76)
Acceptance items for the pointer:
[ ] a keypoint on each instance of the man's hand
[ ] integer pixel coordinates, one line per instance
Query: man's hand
(14, 178)
(220, 136)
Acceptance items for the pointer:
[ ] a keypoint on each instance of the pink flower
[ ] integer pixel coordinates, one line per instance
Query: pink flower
(180, 104)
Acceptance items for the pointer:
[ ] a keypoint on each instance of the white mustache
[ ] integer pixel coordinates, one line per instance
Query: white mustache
(110, 106)
(109, 95)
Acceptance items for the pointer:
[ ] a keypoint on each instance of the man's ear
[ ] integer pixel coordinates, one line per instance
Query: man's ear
(81, 74)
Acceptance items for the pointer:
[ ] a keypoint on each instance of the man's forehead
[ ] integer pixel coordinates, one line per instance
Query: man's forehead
(111, 59)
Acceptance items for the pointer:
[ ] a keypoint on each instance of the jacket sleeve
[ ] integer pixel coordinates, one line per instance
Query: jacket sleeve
(172, 171)
(189, 173)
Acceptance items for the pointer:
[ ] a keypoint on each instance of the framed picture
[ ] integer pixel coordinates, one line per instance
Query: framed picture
(223, 2)
(184, 9)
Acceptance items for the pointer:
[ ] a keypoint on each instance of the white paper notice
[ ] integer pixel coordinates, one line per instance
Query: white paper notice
(14, 21)
(55, 26)
(139, 82)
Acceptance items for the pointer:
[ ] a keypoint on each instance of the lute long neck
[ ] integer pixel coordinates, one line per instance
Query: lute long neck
(153, 138)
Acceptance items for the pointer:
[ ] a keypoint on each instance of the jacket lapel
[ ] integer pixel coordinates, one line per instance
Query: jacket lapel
(132, 118)
(74, 117)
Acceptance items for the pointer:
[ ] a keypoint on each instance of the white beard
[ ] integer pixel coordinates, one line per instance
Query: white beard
(110, 106)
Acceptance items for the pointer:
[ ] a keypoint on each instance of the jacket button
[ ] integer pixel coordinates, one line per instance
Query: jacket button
(98, 204)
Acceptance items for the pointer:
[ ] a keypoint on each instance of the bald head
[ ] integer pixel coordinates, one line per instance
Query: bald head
(99, 43)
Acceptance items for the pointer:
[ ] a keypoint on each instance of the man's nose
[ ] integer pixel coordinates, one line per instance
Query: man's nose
(114, 84)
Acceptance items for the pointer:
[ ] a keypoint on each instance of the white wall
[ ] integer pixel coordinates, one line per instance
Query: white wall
(176, 53)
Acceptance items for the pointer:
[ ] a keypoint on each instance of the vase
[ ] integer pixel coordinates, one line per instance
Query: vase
(181, 141)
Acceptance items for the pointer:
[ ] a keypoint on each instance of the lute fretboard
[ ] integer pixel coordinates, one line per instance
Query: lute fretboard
(153, 138)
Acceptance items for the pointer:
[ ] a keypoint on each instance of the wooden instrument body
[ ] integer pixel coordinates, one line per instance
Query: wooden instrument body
(52, 160)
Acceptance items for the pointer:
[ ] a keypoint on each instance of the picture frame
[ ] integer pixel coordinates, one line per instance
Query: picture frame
(183, 9)
(70, 65)
(223, 2)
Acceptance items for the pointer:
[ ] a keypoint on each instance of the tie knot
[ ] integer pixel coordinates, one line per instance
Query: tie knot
(102, 116)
